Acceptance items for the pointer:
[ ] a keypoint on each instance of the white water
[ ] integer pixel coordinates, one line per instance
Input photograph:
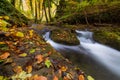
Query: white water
(107, 56)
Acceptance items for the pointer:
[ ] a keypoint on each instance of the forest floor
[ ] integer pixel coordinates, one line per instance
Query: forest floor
(25, 55)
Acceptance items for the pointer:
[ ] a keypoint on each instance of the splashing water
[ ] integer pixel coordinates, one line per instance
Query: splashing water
(108, 57)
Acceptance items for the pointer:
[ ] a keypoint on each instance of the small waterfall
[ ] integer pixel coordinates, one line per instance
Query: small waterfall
(106, 56)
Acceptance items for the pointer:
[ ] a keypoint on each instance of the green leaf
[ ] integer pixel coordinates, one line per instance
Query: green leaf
(1, 77)
(32, 51)
(48, 63)
(1, 62)
(90, 78)
(23, 55)
(19, 34)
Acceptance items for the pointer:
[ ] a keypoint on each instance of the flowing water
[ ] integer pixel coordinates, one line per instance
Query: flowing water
(100, 61)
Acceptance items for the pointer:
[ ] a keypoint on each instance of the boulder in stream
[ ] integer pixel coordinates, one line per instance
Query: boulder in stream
(67, 37)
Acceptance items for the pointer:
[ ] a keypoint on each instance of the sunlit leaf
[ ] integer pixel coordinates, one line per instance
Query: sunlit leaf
(2, 43)
(81, 77)
(21, 76)
(1, 77)
(39, 58)
(48, 63)
(32, 51)
(20, 34)
(4, 55)
(6, 17)
(29, 69)
(31, 33)
(17, 69)
(90, 78)
(64, 68)
(23, 55)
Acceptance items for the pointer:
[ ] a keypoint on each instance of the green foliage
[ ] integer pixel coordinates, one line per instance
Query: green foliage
(48, 63)
(3, 78)
(90, 78)
(32, 51)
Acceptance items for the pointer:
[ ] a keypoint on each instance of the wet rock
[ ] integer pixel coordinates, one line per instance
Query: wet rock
(67, 37)
(108, 36)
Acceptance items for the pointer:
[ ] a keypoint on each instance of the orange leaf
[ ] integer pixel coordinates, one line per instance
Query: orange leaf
(64, 68)
(81, 77)
(4, 55)
(36, 77)
(18, 69)
(29, 69)
(39, 58)
(55, 78)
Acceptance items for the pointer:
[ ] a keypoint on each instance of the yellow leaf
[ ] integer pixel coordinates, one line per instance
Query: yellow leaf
(31, 33)
(23, 55)
(29, 69)
(90, 78)
(19, 34)
(4, 55)
(6, 17)
(81, 77)
(2, 42)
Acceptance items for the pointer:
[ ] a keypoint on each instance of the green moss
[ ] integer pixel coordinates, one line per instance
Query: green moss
(110, 37)
(7, 9)
(64, 37)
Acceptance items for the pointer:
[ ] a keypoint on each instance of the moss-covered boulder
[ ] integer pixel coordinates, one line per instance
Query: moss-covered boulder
(67, 37)
(7, 9)
(108, 36)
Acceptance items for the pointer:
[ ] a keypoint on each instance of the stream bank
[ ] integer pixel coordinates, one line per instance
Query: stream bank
(25, 55)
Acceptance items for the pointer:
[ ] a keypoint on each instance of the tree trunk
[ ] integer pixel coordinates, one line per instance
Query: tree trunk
(49, 9)
(31, 6)
(36, 12)
(86, 19)
(44, 7)
(13, 2)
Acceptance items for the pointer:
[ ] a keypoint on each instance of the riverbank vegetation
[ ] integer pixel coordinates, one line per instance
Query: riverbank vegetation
(25, 55)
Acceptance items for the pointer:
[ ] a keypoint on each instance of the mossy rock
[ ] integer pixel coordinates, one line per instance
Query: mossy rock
(67, 37)
(108, 37)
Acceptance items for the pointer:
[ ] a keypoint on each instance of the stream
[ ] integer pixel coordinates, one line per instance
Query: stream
(95, 59)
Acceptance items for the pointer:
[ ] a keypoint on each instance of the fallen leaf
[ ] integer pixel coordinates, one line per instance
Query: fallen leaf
(29, 69)
(32, 51)
(1, 77)
(9, 60)
(36, 77)
(17, 69)
(19, 34)
(31, 33)
(39, 58)
(55, 78)
(21, 76)
(4, 55)
(2, 43)
(48, 63)
(64, 68)
(23, 55)
(90, 78)
(81, 77)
